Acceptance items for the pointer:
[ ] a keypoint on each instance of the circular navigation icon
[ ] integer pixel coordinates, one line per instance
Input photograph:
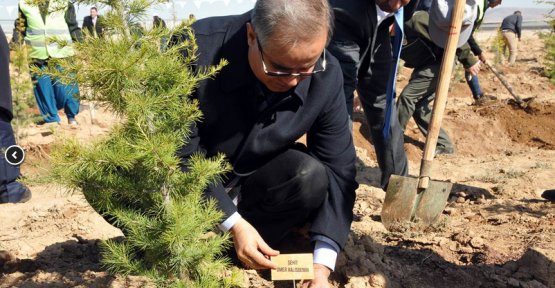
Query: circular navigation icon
(14, 155)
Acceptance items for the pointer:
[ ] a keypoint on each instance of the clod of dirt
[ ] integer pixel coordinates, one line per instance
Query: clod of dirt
(477, 242)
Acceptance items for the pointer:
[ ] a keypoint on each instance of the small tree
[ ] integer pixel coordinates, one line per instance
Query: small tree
(22, 87)
(133, 177)
(550, 43)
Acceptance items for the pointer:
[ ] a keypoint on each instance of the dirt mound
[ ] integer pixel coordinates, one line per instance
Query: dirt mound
(533, 126)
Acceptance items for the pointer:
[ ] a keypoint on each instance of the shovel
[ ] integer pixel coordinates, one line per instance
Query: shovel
(519, 101)
(416, 203)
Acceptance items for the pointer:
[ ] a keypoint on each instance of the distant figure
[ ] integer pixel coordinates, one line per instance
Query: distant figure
(158, 22)
(42, 22)
(92, 24)
(511, 28)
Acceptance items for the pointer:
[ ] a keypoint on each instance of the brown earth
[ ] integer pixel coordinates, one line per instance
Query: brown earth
(496, 231)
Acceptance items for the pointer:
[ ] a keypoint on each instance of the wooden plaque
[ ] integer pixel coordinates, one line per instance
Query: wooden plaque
(293, 267)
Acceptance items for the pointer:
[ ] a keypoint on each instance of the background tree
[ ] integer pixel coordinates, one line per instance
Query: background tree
(134, 176)
(550, 43)
(22, 87)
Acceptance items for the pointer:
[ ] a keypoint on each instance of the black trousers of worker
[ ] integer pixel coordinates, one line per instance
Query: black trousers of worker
(11, 191)
(368, 73)
(283, 193)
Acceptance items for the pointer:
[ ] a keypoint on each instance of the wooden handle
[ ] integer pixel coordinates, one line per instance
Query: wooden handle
(442, 87)
(518, 99)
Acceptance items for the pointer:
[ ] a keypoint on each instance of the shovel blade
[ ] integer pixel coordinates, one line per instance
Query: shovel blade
(405, 207)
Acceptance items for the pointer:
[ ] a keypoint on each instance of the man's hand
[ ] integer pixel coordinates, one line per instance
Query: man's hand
(321, 275)
(483, 57)
(474, 69)
(248, 242)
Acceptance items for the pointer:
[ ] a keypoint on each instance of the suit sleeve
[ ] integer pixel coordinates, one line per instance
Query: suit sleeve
(465, 57)
(518, 26)
(410, 9)
(71, 20)
(5, 86)
(330, 141)
(215, 191)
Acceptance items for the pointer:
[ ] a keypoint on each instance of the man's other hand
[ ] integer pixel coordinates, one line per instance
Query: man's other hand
(248, 242)
(474, 69)
(483, 57)
(321, 275)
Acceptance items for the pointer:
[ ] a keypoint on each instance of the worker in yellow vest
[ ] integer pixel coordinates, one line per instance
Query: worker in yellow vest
(53, 18)
(473, 81)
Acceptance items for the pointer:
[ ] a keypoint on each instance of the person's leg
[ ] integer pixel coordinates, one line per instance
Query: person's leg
(65, 97)
(10, 190)
(283, 193)
(474, 85)
(422, 117)
(347, 52)
(45, 96)
(510, 39)
(424, 86)
(372, 88)
(417, 88)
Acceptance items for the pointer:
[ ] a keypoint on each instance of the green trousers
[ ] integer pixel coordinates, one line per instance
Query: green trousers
(416, 98)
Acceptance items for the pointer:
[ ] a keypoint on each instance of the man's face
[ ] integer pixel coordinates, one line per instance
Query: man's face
(391, 6)
(93, 13)
(494, 4)
(302, 58)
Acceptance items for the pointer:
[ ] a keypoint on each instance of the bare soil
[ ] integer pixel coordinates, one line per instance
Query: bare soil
(496, 230)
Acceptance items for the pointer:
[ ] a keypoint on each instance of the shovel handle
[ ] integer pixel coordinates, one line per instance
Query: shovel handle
(442, 89)
(518, 99)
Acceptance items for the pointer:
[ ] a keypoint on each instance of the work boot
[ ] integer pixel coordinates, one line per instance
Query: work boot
(27, 195)
(484, 99)
(549, 195)
(444, 150)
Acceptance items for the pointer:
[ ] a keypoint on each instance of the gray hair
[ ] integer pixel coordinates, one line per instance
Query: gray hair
(295, 20)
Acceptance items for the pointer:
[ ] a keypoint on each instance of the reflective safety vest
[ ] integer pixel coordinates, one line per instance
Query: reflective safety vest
(39, 32)
(482, 6)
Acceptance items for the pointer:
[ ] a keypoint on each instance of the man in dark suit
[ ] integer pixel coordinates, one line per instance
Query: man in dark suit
(362, 44)
(279, 85)
(92, 24)
(11, 191)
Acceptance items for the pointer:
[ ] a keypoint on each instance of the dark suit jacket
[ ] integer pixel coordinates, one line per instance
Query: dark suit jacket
(88, 24)
(356, 23)
(5, 86)
(232, 124)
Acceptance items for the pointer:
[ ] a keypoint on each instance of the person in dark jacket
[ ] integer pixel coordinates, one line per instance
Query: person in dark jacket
(425, 56)
(279, 85)
(158, 22)
(362, 44)
(11, 191)
(511, 28)
(93, 24)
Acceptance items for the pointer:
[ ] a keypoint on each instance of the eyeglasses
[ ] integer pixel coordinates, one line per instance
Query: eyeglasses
(283, 74)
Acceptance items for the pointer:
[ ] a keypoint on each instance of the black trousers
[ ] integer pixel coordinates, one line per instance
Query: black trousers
(10, 190)
(283, 193)
(370, 75)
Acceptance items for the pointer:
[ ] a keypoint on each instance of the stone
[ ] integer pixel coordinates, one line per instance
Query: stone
(512, 282)
(460, 200)
(477, 242)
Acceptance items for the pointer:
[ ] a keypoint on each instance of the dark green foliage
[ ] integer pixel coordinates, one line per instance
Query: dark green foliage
(133, 177)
